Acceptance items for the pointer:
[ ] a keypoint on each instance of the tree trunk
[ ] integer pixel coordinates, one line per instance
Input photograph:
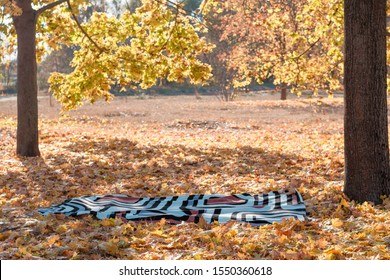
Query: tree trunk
(8, 76)
(27, 89)
(283, 91)
(365, 119)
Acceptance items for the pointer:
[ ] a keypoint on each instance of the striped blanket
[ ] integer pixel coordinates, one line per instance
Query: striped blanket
(256, 209)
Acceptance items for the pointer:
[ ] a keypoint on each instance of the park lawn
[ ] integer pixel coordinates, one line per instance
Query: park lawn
(177, 146)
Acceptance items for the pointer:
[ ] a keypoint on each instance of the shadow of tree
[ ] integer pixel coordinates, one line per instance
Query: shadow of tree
(140, 168)
(128, 167)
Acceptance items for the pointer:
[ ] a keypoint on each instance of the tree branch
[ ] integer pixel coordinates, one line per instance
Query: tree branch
(49, 6)
(319, 38)
(307, 50)
(171, 31)
(82, 29)
(183, 11)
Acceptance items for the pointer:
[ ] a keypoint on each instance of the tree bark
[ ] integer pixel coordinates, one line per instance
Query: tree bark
(27, 89)
(283, 91)
(365, 120)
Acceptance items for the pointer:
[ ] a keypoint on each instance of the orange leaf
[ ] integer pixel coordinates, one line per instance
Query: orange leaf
(53, 239)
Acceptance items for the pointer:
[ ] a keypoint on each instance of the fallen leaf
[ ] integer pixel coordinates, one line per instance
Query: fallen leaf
(337, 222)
(53, 239)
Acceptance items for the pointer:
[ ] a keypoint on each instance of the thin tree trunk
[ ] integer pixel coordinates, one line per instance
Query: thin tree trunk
(283, 91)
(8, 76)
(27, 98)
(365, 119)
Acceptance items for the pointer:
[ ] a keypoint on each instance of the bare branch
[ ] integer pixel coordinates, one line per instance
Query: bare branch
(49, 6)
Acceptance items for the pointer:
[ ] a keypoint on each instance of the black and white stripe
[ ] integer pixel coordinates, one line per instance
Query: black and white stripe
(256, 209)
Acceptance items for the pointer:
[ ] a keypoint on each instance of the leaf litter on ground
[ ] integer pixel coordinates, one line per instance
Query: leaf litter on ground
(100, 155)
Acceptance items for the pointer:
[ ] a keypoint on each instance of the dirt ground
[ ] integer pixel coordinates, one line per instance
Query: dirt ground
(251, 109)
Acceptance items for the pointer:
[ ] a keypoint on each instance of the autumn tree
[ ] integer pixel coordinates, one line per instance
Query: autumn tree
(135, 49)
(216, 59)
(365, 123)
(285, 40)
(319, 65)
(7, 73)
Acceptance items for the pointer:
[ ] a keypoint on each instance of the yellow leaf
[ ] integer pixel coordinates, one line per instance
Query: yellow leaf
(127, 229)
(337, 223)
(282, 239)
(381, 227)
(158, 233)
(61, 229)
(23, 250)
(108, 223)
(162, 222)
(344, 203)
(334, 253)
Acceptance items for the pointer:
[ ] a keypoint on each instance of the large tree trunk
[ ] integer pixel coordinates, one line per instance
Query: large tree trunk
(365, 119)
(27, 98)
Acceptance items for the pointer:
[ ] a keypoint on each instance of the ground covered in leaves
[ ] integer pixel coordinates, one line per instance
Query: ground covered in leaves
(177, 146)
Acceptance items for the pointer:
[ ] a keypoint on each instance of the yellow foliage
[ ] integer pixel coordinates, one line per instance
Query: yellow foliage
(136, 49)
